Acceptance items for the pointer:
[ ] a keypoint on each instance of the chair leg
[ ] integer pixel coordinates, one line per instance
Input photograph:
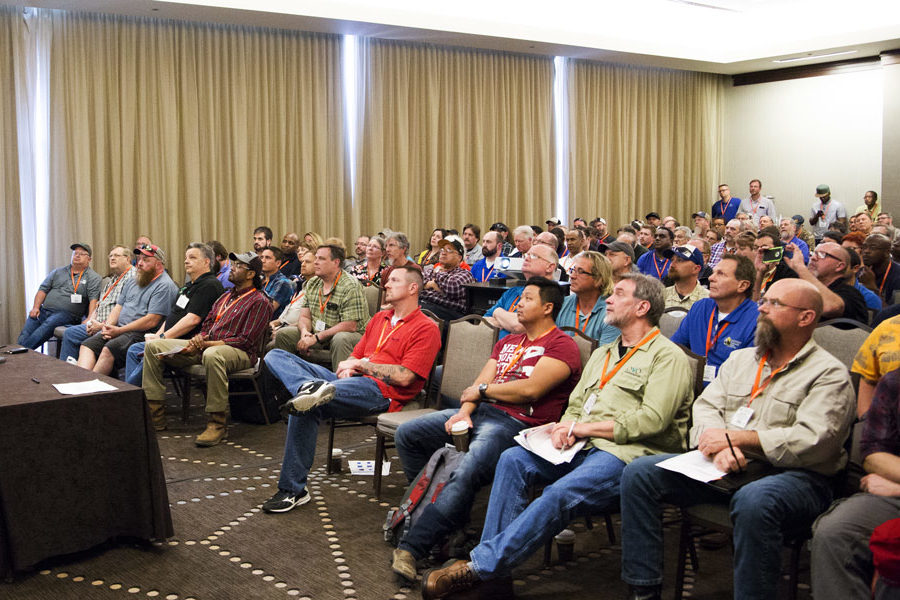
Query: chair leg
(794, 575)
(610, 530)
(548, 552)
(186, 399)
(379, 461)
(684, 540)
(262, 404)
(330, 446)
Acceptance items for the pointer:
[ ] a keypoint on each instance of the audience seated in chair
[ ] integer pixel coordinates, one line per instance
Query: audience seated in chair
(585, 307)
(539, 261)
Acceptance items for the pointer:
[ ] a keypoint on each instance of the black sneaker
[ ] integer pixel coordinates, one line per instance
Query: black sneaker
(310, 395)
(284, 501)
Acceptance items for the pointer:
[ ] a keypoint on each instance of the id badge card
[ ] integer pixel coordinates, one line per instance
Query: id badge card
(182, 301)
(588, 405)
(75, 298)
(740, 418)
(709, 373)
(320, 325)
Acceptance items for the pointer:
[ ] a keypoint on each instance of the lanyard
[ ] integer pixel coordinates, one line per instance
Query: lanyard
(721, 202)
(604, 378)
(113, 286)
(515, 303)
(578, 318)
(369, 277)
(520, 350)
(382, 339)
(488, 276)
(284, 262)
(324, 303)
(228, 305)
(766, 282)
(565, 254)
(297, 296)
(752, 207)
(757, 389)
(884, 279)
(80, 275)
(710, 329)
(656, 264)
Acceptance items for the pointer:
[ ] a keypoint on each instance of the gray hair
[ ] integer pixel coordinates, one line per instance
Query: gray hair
(649, 289)
(525, 230)
(206, 250)
(685, 230)
(400, 237)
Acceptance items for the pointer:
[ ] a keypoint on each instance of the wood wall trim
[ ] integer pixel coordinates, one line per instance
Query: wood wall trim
(818, 70)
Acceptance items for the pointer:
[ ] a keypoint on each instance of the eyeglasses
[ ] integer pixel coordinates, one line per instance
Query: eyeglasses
(775, 303)
(579, 271)
(448, 249)
(533, 256)
(118, 256)
(821, 254)
(80, 254)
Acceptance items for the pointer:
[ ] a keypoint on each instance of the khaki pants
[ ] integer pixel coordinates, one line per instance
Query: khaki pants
(218, 362)
(338, 347)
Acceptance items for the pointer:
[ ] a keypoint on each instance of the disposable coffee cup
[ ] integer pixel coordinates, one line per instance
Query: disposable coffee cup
(565, 545)
(337, 460)
(459, 431)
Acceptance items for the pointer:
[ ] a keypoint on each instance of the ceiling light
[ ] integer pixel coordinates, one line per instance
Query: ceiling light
(813, 56)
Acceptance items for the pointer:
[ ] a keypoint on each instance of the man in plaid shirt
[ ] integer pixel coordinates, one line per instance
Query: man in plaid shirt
(444, 293)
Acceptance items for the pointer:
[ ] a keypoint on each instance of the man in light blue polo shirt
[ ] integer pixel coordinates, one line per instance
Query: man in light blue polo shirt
(726, 321)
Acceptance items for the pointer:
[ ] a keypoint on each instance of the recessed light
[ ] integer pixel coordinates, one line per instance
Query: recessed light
(813, 56)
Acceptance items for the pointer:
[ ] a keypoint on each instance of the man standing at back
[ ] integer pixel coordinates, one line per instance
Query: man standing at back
(825, 211)
(757, 205)
(726, 207)
(881, 274)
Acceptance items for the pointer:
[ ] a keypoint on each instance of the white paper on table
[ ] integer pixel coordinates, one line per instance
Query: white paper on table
(367, 467)
(537, 440)
(693, 464)
(84, 387)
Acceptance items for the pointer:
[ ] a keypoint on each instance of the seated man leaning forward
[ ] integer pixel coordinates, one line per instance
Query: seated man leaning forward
(788, 401)
(387, 368)
(524, 383)
(228, 341)
(633, 400)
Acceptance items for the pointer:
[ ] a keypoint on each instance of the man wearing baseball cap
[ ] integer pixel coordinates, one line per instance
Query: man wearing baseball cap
(65, 296)
(443, 292)
(701, 223)
(621, 258)
(825, 211)
(687, 262)
(552, 222)
(228, 341)
(144, 303)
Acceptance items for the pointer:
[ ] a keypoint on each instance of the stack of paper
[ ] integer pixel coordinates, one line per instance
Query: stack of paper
(537, 440)
(693, 464)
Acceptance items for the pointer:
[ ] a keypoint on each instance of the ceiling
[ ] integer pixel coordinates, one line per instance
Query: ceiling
(719, 36)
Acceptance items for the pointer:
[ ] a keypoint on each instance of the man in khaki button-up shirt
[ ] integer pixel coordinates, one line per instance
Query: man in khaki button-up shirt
(787, 400)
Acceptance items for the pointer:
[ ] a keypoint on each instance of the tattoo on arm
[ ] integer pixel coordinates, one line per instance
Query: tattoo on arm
(388, 373)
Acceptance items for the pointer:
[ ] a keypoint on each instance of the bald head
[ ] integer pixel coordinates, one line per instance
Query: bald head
(543, 263)
(547, 239)
(830, 261)
(798, 293)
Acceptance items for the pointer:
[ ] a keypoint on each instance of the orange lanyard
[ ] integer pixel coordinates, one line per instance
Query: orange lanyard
(766, 282)
(382, 339)
(265, 282)
(324, 303)
(488, 276)
(665, 266)
(113, 286)
(884, 279)
(578, 318)
(520, 350)
(228, 305)
(709, 344)
(565, 254)
(721, 210)
(80, 275)
(757, 389)
(753, 208)
(297, 296)
(515, 303)
(604, 378)
(281, 266)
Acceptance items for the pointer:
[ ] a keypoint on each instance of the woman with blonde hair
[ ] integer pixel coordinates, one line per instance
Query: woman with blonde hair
(370, 270)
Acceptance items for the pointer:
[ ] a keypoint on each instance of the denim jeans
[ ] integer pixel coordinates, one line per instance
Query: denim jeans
(72, 340)
(355, 397)
(760, 511)
(134, 364)
(514, 529)
(37, 331)
(493, 432)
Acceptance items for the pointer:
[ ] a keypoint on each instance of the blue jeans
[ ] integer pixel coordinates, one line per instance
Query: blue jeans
(355, 397)
(760, 511)
(492, 433)
(37, 331)
(72, 340)
(134, 364)
(514, 529)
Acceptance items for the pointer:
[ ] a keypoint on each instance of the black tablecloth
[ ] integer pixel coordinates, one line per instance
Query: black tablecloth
(75, 471)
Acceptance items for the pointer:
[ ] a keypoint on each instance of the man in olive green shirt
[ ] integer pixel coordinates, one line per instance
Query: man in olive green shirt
(333, 311)
(633, 399)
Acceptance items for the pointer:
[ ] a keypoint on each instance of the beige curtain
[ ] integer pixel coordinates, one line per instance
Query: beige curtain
(188, 132)
(452, 136)
(642, 139)
(12, 296)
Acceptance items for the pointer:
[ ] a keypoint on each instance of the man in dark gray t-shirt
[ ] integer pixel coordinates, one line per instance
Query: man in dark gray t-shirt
(64, 298)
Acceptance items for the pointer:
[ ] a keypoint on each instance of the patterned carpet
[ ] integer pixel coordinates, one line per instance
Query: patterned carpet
(329, 549)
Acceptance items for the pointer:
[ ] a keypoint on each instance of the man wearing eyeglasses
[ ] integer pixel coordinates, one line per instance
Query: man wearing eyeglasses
(828, 266)
(788, 402)
(444, 293)
(63, 298)
(539, 261)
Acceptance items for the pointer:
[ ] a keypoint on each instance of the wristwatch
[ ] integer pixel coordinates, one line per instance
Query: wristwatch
(482, 390)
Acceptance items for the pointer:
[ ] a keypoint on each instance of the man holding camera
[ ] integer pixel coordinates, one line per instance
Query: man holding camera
(828, 266)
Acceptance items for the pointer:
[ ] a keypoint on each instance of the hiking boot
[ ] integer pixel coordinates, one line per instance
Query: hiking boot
(404, 564)
(284, 501)
(310, 395)
(440, 583)
(644, 592)
(216, 430)
(157, 414)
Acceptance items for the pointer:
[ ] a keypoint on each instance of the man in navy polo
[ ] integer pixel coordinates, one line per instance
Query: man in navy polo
(726, 321)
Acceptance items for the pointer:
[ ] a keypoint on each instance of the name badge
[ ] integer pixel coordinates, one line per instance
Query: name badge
(709, 373)
(740, 418)
(75, 298)
(320, 326)
(182, 301)
(588, 405)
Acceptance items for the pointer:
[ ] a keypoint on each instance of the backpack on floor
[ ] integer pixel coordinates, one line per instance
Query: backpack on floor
(424, 490)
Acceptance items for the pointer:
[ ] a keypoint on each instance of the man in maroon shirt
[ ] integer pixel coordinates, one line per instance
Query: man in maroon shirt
(228, 341)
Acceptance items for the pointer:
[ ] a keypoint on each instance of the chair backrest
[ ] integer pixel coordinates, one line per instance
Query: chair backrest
(586, 344)
(373, 295)
(698, 363)
(843, 344)
(470, 341)
(670, 320)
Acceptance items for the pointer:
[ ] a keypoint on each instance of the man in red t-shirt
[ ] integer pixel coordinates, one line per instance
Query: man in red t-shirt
(386, 369)
(526, 382)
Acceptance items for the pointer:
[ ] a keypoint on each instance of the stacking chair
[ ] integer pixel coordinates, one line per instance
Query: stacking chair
(843, 339)
(670, 320)
(586, 344)
(470, 341)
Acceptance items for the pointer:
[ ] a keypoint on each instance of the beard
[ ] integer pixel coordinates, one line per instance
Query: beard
(144, 277)
(767, 336)
(489, 253)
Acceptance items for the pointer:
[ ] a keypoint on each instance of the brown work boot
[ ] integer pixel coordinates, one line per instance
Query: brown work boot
(404, 564)
(216, 430)
(157, 414)
(440, 583)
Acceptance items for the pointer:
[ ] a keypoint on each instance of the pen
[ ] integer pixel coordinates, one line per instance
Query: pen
(35, 379)
(740, 468)
(571, 429)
